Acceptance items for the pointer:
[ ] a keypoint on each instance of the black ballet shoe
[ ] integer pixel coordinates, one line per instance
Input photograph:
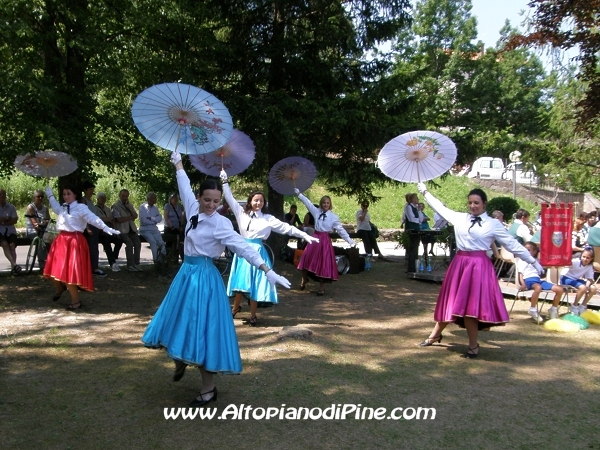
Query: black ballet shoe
(253, 320)
(430, 341)
(235, 311)
(471, 352)
(72, 306)
(201, 402)
(179, 370)
(321, 292)
(302, 286)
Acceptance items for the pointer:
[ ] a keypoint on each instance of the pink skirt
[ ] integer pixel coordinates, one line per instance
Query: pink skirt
(319, 259)
(69, 260)
(470, 289)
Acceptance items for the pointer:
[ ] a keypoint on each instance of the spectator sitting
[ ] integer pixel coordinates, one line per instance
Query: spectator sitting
(519, 230)
(291, 218)
(174, 222)
(149, 219)
(124, 214)
(499, 215)
(91, 232)
(107, 240)
(578, 235)
(37, 217)
(581, 276)
(365, 232)
(529, 279)
(412, 219)
(8, 232)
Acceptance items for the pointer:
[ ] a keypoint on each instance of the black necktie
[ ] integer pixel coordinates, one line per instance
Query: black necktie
(193, 224)
(252, 216)
(475, 220)
(66, 205)
(322, 216)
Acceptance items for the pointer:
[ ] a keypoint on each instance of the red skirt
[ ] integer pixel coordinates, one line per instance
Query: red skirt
(319, 259)
(69, 260)
(470, 289)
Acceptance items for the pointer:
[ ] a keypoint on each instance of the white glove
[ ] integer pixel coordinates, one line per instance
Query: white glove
(48, 191)
(352, 243)
(538, 267)
(421, 188)
(223, 176)
(277, 279)
(109, 230)
(308, 238)
(296, 191)
(175, 157)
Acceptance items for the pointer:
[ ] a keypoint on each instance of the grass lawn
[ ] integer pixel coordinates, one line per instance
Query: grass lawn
(84, 380)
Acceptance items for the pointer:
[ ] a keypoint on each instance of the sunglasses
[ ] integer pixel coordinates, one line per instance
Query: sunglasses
(39, 196)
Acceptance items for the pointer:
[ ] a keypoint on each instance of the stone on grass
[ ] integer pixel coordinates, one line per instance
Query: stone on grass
(294, 333)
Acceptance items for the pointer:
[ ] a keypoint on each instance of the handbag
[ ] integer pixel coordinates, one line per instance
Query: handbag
(374, 229)
(50, 233)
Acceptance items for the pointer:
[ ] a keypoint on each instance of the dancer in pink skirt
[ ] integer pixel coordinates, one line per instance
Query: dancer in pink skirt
(470, 295)
(318, 260)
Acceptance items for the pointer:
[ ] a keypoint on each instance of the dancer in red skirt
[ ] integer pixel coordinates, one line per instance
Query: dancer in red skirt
(68, 263)
(470, 295)
(318, 260)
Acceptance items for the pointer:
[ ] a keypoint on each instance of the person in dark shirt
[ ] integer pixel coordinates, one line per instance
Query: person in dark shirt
(292, 218)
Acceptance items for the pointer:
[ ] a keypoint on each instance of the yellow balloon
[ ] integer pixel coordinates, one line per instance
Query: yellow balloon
(591, 316)
(562, 326)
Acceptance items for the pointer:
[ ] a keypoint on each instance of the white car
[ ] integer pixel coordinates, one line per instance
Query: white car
(488, 168)
(527, 177)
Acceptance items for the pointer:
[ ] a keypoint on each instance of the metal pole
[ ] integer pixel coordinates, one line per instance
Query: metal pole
(514, 181)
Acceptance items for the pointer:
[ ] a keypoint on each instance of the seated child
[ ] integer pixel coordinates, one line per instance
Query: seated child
(581, 276)
(530, 280)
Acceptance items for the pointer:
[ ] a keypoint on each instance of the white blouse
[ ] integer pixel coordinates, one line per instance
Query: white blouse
(473, 237)
(577, 271)
(75, 217)
(527, 270)
(257, 225)
(327, 221)
(213, 232)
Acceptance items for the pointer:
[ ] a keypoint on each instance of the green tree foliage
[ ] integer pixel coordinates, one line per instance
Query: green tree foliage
(294, 75)
(489, 101)
(566, 25)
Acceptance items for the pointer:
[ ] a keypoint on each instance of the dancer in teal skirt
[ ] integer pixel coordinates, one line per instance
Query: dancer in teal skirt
(194, 322)
(255, 226)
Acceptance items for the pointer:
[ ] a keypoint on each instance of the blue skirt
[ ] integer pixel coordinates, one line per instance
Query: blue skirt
(246, 278)
(194, 321)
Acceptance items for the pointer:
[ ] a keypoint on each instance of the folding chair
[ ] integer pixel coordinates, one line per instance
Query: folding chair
(508, 258)
(553, 276)
(498, 261)
(526, 294)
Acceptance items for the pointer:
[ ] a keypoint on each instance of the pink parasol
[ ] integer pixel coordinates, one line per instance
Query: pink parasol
(234, 157)
(46, 164)
(290, 173)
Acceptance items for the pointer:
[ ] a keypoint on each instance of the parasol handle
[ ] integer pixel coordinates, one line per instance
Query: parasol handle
(178, 134)
(418, 173)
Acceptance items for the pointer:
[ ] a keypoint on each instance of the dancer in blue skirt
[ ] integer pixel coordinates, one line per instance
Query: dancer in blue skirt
(255, 226)
(194, 321)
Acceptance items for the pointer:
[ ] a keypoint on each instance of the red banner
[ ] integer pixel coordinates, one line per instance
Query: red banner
(557, 224)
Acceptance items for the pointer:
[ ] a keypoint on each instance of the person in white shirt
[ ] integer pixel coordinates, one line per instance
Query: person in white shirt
(470, 295)
(68, 263)
(149, 218)
(255, 226)
(194, 322)
(37, 218)
(581, 276)
(318, 260)
(529, 279)
(8, 232)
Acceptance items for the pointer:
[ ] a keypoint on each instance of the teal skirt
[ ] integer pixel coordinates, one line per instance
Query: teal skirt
(246, 278)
